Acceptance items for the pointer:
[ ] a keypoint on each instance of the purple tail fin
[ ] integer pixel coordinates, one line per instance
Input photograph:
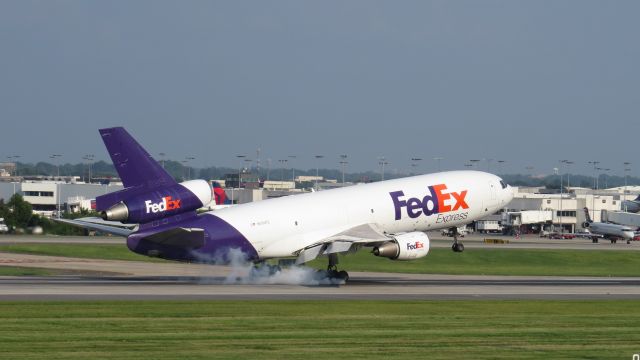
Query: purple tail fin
(133, 163)
(138, 171)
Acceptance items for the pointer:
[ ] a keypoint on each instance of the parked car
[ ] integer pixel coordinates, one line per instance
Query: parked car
(561, 236)
(3, 227)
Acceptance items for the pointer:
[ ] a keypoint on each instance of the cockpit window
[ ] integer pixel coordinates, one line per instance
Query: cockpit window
(502, 183)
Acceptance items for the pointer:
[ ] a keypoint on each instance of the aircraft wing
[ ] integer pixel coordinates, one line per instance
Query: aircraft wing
(366, 234)
(181, 237)
(109, 227)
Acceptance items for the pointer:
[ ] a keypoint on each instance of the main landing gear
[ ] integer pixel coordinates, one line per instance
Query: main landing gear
(457, 246)
(332, 269)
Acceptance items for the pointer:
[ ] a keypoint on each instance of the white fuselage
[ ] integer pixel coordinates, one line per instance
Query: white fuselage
(611, 230)
(280, 227)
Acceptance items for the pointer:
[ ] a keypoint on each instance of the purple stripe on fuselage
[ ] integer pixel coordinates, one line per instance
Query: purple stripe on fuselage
(220, 239)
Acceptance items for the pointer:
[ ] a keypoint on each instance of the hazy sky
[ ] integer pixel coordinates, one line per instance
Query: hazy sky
(528, 82)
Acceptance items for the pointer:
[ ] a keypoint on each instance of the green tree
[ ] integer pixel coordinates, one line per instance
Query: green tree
(20, 212)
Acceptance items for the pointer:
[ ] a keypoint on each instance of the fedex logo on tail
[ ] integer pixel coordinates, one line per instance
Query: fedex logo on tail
(438, 201)
(166, 204)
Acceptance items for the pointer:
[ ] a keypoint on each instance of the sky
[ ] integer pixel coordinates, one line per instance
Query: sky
(529, 83)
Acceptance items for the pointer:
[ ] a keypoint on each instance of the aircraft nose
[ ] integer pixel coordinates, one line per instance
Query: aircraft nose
(508, 193)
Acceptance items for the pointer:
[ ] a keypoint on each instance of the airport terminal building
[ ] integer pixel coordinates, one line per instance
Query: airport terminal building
(536, 209)
(48, 194)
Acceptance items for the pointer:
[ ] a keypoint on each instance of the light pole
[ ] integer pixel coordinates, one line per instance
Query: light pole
(438, 159)
(530, 170)
(55, 157)
(500, 162)
(240, 157)
(569, 163)
(343, 164)
(268, 168)
(293, 169)
(162, 155)
(89, 158)
(595, 185)
(247, 165)
(559, 172)
(14, 160)
(626, 170)
(561, 193)
(598, 177)
(283, 163)
(595, 165)
(187, 160)
(382, 161)
(318, 157)
(414, 163)
(474, 162)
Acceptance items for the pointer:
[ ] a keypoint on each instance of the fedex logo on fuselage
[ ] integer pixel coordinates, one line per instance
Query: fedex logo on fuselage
(439, 200)
(166, 204)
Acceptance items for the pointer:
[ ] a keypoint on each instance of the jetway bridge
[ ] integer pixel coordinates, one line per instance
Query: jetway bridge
(621, 217)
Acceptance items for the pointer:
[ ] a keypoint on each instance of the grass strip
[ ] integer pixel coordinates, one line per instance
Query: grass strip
(532, 262)
(320, 330)
(88, 251)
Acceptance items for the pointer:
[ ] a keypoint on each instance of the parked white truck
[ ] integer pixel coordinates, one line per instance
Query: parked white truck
(3, 226)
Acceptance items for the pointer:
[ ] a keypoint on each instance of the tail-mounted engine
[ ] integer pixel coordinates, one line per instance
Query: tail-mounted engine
(407, 246)
(162, 202)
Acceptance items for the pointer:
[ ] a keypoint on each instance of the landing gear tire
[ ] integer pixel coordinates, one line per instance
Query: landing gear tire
(332, 269)
(457, 247)
(343, 275)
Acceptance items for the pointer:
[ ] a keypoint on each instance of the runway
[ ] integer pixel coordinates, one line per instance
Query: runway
(94, 279)
(362, 286)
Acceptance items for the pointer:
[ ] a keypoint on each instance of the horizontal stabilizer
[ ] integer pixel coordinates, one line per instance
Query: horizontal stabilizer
(95, 224)
(188, 238)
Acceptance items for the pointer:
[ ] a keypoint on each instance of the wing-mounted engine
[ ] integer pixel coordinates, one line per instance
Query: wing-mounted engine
(408, 246)
(158, 203)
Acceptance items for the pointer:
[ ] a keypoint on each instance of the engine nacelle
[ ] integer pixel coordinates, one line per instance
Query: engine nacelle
(586, 224)
(407, 246)
(156, 204)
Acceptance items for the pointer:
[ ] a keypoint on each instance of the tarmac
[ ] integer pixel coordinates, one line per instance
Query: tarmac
(132, 280)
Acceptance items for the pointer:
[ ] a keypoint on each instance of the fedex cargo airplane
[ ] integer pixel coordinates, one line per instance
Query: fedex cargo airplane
(159, 216)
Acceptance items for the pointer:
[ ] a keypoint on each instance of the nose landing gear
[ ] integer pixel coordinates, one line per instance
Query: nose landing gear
(457, 246)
